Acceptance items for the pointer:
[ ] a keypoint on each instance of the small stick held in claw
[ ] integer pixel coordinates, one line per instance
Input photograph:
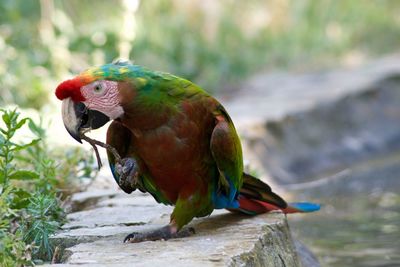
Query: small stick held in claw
(95, 143)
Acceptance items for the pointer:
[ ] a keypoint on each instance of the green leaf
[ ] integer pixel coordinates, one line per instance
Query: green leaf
(6, 118)
(24, 175)
(20, 124)
(22, 193)
(22, 147)
(21, 199)
(36, 129)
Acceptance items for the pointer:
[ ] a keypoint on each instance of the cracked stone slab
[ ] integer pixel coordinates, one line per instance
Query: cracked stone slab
(106, 216)
(93, 237)
(223, 239)
(86, 199)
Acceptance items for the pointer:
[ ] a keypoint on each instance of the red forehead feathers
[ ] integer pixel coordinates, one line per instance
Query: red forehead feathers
(70, 88)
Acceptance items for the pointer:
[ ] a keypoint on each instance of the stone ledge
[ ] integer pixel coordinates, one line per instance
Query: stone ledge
(223, 239)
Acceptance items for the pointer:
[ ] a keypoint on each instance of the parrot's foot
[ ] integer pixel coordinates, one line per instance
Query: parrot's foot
(128, 172)
(163, 233)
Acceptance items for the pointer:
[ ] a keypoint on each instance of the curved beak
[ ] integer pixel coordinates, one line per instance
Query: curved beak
(77, 117)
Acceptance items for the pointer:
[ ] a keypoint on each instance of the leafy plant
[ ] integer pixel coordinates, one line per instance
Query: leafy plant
(75, 167)
(44, 217)
(30, 195)
(8, 148)
(13, 250)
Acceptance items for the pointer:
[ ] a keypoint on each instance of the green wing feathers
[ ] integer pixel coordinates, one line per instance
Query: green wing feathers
(120, 138)
(227, 152)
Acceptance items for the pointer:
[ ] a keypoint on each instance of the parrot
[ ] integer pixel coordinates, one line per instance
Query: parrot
(176, 142)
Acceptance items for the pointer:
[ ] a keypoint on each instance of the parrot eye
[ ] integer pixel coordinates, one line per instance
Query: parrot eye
(98, 88)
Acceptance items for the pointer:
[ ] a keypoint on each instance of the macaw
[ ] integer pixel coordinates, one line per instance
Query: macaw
(176, 142)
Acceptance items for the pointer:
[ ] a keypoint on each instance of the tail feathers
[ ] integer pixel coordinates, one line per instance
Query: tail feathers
(255, 189)
(254, 207)
(302, 207)
(256, 197)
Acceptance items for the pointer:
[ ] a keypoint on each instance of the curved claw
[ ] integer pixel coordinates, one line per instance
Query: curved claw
(130, 237)
(163, 233)
(128, 172)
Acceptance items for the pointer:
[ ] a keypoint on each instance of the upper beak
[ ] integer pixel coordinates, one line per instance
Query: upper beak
(77, 117)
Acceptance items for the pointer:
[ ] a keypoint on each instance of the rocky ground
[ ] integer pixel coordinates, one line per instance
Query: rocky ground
(297, 129)
(94, 234)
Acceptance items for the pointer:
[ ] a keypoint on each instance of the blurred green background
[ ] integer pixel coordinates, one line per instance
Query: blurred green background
(214, 43)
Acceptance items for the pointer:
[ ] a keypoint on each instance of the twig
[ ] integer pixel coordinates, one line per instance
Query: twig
(94, 143)
(54, 259)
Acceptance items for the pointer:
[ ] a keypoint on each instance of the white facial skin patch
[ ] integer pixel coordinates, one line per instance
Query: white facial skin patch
(103, 96)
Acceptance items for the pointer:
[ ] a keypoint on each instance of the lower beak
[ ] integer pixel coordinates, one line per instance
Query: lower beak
(77, 117)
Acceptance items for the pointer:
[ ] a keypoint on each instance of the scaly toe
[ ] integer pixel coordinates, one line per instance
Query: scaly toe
(185, 232)
(130, 238)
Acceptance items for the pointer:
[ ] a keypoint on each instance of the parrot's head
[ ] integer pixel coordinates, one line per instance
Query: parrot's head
(92, 98)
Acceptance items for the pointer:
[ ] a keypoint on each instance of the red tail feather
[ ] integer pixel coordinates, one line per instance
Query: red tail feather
(253, 206)
(257, 197)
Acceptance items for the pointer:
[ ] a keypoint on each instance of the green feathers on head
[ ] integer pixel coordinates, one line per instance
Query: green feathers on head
(122, 71)
(152, 86)
(116, 71)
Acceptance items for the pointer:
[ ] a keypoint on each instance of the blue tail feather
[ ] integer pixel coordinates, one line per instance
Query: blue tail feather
(305, 206)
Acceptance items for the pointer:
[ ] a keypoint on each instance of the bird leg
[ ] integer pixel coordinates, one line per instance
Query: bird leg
(94, 143)
(164, 233)
(128, 171)
(127, 168)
